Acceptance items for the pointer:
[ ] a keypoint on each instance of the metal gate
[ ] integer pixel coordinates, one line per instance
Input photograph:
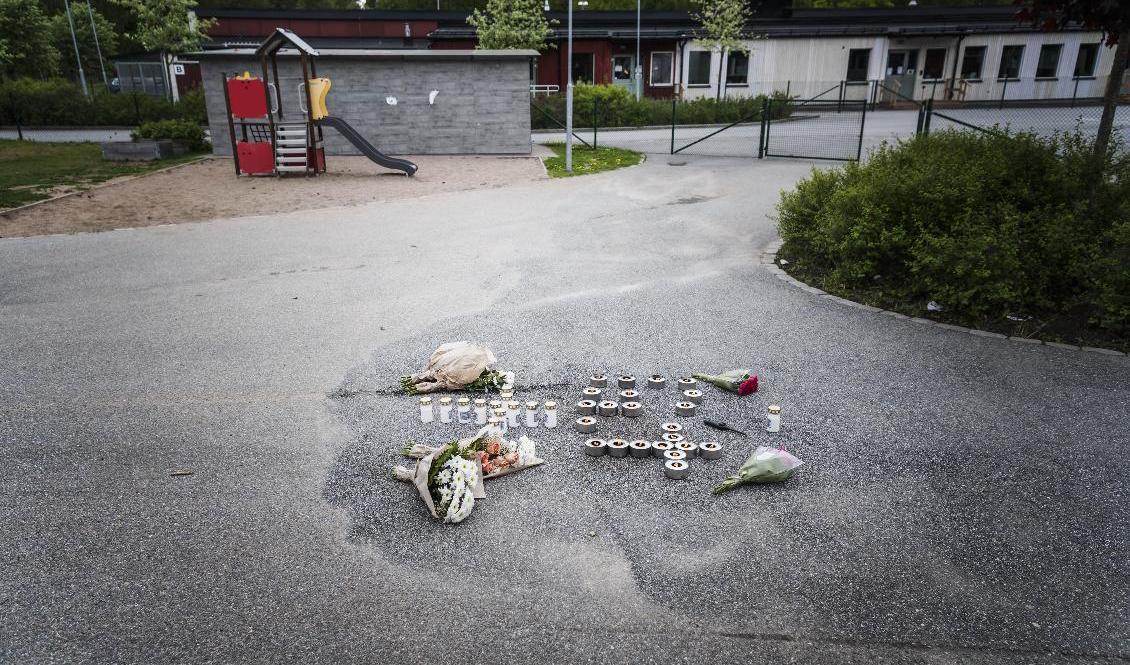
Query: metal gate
(815, 129)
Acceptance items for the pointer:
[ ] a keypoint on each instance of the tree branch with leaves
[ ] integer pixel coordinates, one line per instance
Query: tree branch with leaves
(167, 26)
(511, 24)
(1112, 17)
(723, 28)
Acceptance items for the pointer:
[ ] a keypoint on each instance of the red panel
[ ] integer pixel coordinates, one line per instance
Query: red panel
(319, 160)
(255, 157)
(248, 98)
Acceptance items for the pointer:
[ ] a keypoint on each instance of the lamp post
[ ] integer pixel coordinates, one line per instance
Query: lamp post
(569, 98)
(639, 65)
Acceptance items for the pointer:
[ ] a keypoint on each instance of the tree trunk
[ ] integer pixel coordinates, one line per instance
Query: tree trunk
(1110, 96)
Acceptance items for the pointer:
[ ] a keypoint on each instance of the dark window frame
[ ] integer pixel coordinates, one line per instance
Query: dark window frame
(1002, 73)
(745, 76)
(1094, 50)
(981, 51)
(926, 76)
(651, 70)
(1049, 48)
(709, 56)
(853, 67)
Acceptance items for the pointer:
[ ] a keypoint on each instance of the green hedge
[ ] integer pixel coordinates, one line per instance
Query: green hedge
(987, 225)
(185, 131)
(57, 102)
(616, 106)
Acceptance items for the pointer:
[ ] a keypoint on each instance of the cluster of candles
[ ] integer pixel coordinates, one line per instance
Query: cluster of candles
(505, 412)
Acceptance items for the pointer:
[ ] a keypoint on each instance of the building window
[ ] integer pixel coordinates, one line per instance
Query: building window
(698, 68)
(583, 68)
(935, 65)
(972, 63)
(1048, 65)
(737, 69)
(662, 67)
(1010, 61)
(859, 59)
(1085, 63)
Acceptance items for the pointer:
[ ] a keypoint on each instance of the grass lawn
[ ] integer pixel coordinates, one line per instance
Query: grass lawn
(586, 160)
(31, 171)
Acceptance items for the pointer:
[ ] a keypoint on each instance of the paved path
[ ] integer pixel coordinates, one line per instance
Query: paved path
(963, 499)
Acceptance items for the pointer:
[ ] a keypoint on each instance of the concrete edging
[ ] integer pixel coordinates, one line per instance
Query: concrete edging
(768, 260)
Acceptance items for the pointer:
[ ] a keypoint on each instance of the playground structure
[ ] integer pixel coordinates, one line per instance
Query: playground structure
(263, 141)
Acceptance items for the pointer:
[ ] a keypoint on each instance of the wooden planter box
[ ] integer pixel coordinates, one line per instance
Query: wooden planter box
(142, 150)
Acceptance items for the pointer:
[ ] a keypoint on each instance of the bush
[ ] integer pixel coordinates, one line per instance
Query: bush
(616, 106)
(987, 225)
(189, 133)
(56, 102)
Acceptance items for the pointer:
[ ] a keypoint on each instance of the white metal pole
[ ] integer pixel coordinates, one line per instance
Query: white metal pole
(97, 46)
(74, 40)
(639, 65)
(569, 97)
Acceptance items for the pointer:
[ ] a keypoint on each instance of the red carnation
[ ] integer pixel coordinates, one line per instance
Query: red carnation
(749, 386)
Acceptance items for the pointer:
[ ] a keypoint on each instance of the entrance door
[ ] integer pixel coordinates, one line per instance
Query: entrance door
(582, 69)
(622, 68)
(900, 75)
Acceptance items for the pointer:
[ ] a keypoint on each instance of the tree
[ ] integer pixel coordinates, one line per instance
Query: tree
(1110, 16)
(166, 26)
(61, 37)
(25, 41)
(723, 23)
(511, 24)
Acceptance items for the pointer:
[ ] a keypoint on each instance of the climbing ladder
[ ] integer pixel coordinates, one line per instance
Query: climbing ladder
(292, 152)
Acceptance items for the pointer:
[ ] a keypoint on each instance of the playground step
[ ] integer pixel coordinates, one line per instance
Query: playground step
(290, 169)
(296, 150)
(290, 159)
(291, 143)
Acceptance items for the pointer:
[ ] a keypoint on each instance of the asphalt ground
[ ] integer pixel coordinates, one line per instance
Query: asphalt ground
(963, 499)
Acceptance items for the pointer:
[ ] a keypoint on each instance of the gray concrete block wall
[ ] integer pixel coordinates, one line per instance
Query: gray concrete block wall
(483, 105)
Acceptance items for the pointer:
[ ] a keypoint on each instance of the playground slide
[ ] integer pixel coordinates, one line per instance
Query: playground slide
(367, 148)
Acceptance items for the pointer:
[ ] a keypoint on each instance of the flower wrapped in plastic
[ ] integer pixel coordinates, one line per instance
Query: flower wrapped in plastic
(765, 465)
(458, 366)
(447, 481)
(740, 381)
(489, 447)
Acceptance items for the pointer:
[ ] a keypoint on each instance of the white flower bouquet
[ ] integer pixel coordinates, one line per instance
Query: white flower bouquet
(447, 481)
(489, 447)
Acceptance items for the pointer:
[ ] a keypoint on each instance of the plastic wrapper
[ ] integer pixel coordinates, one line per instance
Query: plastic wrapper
(765, 465)
(496, 455)
(457, 366)
(448, 482)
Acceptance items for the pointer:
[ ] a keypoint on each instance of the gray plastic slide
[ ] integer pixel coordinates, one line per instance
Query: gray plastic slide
(366, 148)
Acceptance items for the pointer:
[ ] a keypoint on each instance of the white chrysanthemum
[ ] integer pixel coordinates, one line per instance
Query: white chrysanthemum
(526, 451)
(443, 477)
(460, 507)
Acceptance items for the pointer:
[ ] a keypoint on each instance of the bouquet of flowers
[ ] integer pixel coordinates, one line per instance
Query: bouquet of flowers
(740, 381)
(457, 366)
(496, 455)
(765, 465)
(448, 482)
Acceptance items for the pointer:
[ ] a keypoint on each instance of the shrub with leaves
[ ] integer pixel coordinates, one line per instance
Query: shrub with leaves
(185, 131)
(989, 225)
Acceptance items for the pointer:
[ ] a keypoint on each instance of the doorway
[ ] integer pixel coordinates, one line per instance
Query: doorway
(900, 74)
(582, 68)
(622, 68)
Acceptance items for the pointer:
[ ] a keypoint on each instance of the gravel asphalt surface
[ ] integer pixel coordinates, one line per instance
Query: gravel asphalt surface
(963, 499)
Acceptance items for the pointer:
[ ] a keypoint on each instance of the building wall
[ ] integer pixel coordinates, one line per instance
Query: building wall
(806, 67)
(483, 105)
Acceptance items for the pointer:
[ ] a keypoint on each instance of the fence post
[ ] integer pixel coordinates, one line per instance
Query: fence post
(1074, 92)
(765, 104)
(929, 114)
(1004, 89)
(918, 127)
(840, 101)
(673, 102)
(788, 88)
(137, 109)
(595, 101)
(862, 121)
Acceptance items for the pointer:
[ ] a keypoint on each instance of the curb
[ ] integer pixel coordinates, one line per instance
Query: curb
(768, 260)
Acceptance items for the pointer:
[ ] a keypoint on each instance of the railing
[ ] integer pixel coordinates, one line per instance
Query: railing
(544, 89)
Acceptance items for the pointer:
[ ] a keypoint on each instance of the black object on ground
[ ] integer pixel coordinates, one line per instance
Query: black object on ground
(722, 426)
